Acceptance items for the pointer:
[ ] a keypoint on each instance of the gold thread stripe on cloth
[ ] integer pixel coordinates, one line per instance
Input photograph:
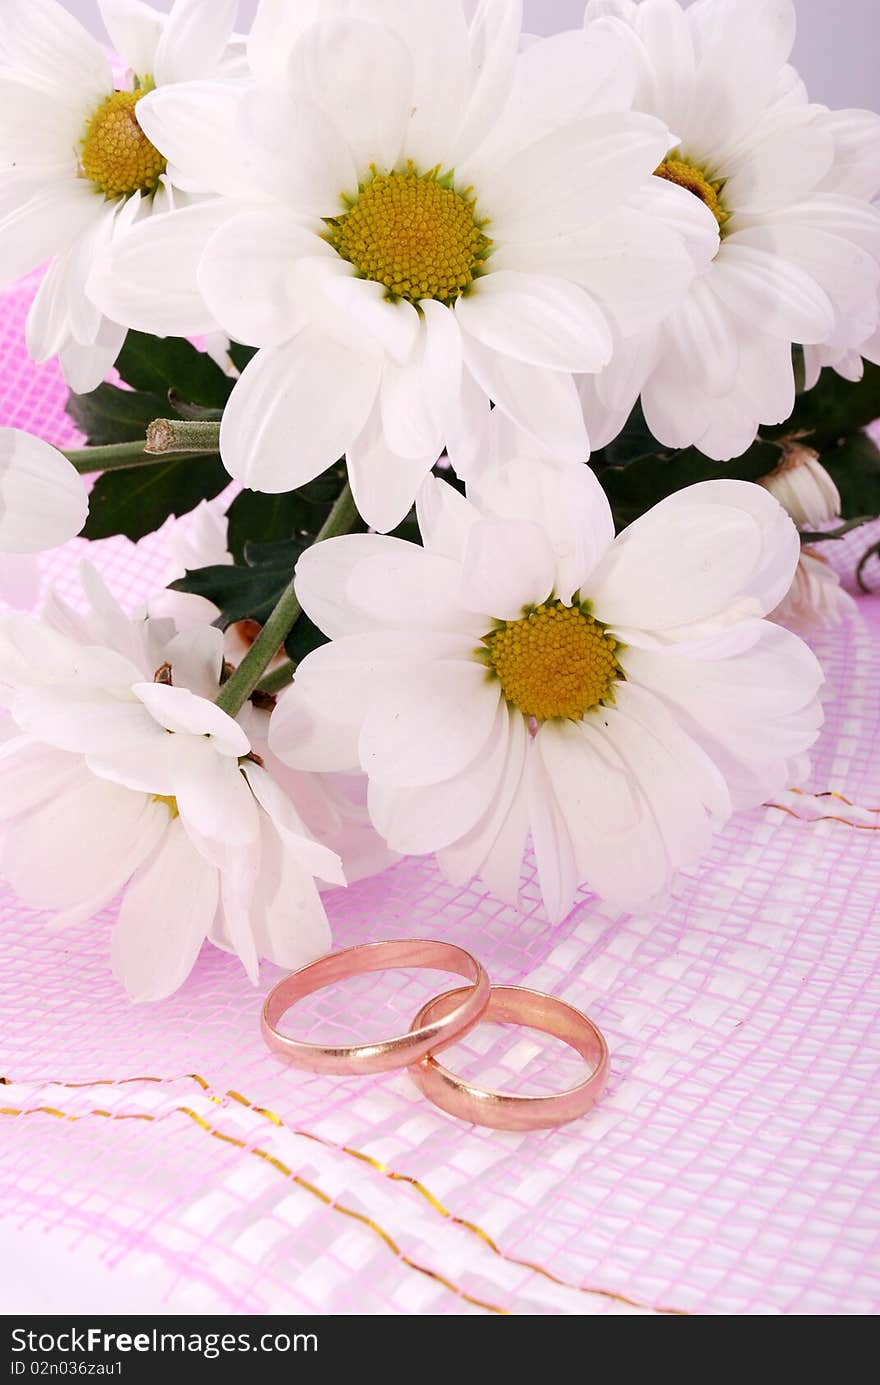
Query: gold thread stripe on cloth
(282, 1168)
(376, 1164)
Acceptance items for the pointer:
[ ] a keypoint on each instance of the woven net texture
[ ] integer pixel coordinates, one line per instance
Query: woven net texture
(160, 1158)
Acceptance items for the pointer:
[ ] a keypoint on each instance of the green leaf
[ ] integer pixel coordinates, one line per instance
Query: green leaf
(303, 639)
(251, 591)
(633, 442)
(165, 365)
(835, 408)
(854, 466)
(163, 373)
(256, 518)
(635, 488)
(110, 414)
(241, 356)
(136, 503)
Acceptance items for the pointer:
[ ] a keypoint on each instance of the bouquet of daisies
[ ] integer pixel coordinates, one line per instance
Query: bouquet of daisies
(507, 383)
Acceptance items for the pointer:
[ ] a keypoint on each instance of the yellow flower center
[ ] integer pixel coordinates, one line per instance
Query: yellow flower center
(685, 174)
(413, 233)
(116, 154)
(558, 661)
(170, 804)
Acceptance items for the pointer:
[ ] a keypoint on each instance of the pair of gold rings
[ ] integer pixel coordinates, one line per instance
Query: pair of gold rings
(441, 1022)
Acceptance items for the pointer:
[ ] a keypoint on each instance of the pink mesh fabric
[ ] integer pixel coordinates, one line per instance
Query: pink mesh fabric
(158, 1157)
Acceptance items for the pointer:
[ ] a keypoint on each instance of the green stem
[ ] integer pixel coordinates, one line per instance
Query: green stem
(280, 679)
(171, 435)
(246, 678)
(118, 457)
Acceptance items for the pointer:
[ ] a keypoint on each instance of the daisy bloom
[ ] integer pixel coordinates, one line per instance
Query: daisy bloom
(805, 490)
(789, 184)
(816, 600)
(75, 164)
(123, 774)
(525, 671)
(332, 806)
(43, 503)
(421, 218)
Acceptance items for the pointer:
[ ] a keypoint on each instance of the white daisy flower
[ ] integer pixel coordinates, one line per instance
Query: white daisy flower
(43, 503)
(525, 671)
(816, 600)
(75, 164)
(423, 218)
(125, 775)
(804, 489)
(789, 184)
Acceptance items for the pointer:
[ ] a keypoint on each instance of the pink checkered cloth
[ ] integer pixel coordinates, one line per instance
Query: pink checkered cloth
(158, 1158)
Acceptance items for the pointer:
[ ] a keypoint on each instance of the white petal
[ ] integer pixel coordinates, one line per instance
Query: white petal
(702, 333)
(164, 919)
(134, 29)
(444, 517)
(82, 719)
(47, 327)
(41, 37)
(361, 75)
(99, 832)
(37, 222)
(361, 308)
(180, 711)
(570, 178)
(494, 45)
(537, 319)
(43, 501)
(38, 130)
(409, 426)
(323, 575)
(297, 153)
(408, 588)
(560, 80)
(508, 567)
(215, 803)
(714, 553)
(275, 30)
(316, 724)
(767, 290)
(554, 850)
(295, 411)
(752, 713)
(544, 403)
(848, 274)
(856, 168)
(310, 855)
(568, 503)
(32, 774)
(287, 918)
(150, 279)
(196, 659)
(420, 821)
(494, 848)
(781, 168)
(85, 367)
(198, 127)
(245, 276)
(194, 40)
(383, 483)
(433, 724)
(736, 76)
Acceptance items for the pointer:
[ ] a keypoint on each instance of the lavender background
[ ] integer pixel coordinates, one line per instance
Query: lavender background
(838, 48)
